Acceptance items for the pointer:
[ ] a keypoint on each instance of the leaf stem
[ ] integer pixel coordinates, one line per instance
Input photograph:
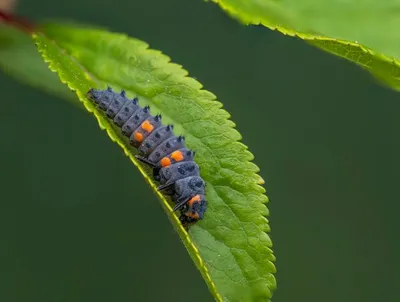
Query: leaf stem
(16, 21)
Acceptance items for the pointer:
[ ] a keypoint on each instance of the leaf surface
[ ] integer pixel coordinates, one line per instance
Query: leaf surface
(230, 246)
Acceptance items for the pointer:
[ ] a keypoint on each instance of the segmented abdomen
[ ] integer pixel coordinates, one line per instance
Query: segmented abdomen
(173, 164)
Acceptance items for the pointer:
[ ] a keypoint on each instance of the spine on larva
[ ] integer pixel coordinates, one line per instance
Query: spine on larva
(172, 163)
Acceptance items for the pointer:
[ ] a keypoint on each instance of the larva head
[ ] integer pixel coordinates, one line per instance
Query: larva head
(194, 209)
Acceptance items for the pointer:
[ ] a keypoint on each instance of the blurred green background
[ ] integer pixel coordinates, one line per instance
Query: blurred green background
(78, 222)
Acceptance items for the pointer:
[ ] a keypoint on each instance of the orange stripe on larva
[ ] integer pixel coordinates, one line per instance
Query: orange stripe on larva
(165, 162)
(138, 136)
(177, 155)
(147, 126)
(193, 200)
(193, 215)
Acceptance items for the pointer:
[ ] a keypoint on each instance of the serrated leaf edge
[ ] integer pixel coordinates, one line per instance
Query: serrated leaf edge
(310, 37)
(111, 133)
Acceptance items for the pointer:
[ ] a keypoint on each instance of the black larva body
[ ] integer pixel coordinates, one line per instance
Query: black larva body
(173, 164)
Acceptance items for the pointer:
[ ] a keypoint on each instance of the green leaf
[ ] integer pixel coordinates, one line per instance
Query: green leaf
(19, 58)
(230, 246)
(365, 32)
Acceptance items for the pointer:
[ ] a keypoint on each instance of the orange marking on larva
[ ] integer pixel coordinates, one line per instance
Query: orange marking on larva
(138, 136)
(147, 126)
(193, 215)
(177, 155)
(165, 162)
(193, 200)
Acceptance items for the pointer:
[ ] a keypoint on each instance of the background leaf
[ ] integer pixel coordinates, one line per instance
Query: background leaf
(20, 59)
(230, 247)
(364, 31)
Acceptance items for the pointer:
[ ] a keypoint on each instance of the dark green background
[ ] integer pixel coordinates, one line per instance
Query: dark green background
(78, 222)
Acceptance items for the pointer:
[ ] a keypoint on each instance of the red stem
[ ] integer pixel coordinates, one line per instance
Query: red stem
(13, 20)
